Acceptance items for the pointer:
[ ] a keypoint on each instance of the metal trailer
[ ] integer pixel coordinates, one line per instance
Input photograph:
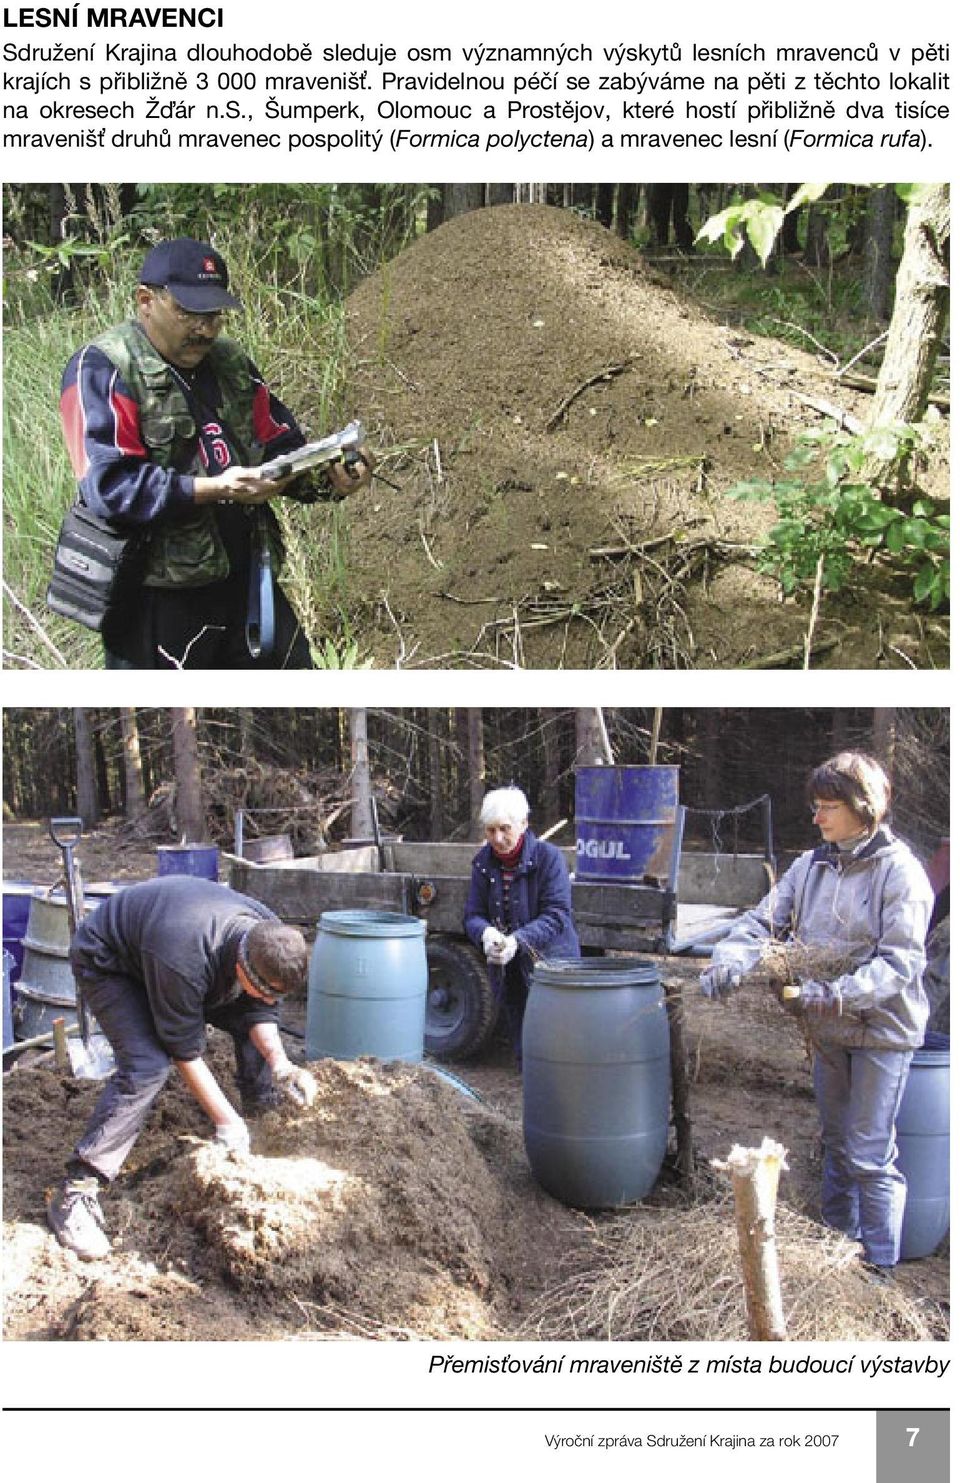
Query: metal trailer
(430, 881)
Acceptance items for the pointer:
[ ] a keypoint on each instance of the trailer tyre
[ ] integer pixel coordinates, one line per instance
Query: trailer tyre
(461, 1008)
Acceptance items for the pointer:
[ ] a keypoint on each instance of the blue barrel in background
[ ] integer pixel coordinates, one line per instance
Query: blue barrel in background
(367, 993)
(625, 821)
(596, 1079)
(16, 914)
(202, 860)
(923, 1142)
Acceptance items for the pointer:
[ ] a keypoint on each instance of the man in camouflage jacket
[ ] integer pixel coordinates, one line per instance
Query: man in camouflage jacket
(166, 425)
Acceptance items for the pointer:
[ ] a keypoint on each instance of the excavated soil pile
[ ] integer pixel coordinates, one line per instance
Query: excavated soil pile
(397, 1208)
(394, 1207)
(546, 396)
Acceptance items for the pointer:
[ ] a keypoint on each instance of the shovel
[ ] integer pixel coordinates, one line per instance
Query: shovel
(91, 1059)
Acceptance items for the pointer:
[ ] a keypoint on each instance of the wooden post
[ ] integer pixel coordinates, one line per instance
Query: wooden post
(61, 1055)
(755, 1174)
(680, 1083)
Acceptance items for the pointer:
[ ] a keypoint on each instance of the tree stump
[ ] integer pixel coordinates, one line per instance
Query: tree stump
(755, 1175)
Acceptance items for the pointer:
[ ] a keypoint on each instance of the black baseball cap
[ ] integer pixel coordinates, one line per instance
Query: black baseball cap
(193, 272)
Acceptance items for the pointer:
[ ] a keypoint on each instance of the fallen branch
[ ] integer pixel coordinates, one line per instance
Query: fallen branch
(468, 602)
(599, 553)
(437, 565)
(10, 658)
(780, 658)
(878, 340)
(867, 383)
(788, 324)
(35, 624)
(607, 374)
(846, 420)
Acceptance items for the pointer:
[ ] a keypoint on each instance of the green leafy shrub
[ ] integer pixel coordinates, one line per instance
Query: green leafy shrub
(829, 512)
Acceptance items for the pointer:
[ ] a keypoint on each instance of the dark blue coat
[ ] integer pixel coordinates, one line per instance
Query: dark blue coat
(540, 896)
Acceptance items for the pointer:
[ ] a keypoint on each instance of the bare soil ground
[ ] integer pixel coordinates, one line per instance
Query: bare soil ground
(547, 396)
(395, 1208)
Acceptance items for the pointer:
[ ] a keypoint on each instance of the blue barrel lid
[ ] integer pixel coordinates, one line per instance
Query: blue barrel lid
(597, 973)
(372, 924)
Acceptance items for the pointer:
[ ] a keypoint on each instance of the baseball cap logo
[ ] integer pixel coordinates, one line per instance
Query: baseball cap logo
(193, 272)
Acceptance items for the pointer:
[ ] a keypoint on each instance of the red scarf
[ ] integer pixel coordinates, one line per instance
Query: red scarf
(511, 861)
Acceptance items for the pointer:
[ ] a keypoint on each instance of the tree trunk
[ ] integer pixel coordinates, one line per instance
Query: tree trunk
(919, 313)
(790, 232)
(361, 812)
(435, 762)
(878, 251)
(816, 250)
(604, 206)
(500, 194)
(186, 765)
(435, 207)
(476, 767)
(593, 747)
(550, 792)
(133, 791)
(628, 202)
(885, 737)
(459, 197)
(579, 197)
(88, 803)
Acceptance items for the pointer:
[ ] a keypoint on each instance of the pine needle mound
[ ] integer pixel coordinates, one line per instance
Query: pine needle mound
(668, 1276)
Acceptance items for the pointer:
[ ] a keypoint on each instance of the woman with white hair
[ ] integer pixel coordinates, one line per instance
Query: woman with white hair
(519, 905)
(864, 895)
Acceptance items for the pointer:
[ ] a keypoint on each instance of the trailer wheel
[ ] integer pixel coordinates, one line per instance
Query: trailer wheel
(461, 1009)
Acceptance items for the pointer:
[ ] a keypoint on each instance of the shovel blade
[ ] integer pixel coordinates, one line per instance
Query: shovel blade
(92, 1061)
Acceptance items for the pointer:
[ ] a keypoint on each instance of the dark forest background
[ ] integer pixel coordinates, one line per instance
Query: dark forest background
(169, 773)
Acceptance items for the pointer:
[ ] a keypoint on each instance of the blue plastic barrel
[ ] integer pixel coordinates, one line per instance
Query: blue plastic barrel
(202, 860)
(16, 914)
(625, 819)
(367, 993)
(923, 1142)
(596, 1079)
(8, 1036)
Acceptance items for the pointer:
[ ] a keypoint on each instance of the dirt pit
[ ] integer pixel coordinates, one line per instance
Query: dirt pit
(399, 1208)
(564, 425)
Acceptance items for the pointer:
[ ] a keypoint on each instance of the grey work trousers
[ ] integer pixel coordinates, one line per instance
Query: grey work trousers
(121, 1008)
(858, 1096)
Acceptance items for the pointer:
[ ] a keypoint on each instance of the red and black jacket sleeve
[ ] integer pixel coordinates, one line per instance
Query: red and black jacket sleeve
(101, 425)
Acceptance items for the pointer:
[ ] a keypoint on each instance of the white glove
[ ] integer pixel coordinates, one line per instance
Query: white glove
(234, 1137)
(491, 941)
(719, 980)
(297, 1083)
(507, 950)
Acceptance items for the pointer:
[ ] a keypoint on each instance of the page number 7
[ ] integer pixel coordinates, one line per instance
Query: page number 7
(912, 1432)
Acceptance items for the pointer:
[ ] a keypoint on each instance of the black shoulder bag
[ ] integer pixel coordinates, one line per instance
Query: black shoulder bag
(96, 567)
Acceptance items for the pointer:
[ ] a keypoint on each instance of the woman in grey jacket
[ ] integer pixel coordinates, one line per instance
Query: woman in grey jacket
(863, 894)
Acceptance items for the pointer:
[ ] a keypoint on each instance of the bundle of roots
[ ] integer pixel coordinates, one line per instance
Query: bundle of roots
(792, 962)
